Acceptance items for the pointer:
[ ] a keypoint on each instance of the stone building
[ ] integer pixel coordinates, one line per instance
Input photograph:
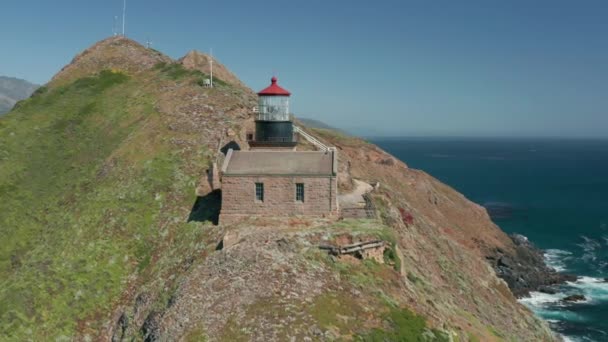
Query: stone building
(273, 179)
(278, 183)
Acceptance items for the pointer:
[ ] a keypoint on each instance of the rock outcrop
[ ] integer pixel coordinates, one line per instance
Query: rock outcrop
(574, 298)
(525, 269)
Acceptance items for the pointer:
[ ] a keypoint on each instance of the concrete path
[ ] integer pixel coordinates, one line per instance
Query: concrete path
(355, 198)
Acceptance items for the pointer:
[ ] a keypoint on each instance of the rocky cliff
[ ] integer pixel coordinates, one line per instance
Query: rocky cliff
(104, 237)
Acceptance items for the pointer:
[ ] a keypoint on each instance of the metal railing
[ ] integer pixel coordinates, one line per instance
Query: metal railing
(312, 139)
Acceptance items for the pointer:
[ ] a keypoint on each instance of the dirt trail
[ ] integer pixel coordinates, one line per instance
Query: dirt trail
(355, 198)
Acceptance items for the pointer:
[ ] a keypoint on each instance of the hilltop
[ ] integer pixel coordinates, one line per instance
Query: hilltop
(13, 90)
(105, 238)
(195, 60)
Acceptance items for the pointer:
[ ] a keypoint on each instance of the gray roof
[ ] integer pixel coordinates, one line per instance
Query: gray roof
(309, 163)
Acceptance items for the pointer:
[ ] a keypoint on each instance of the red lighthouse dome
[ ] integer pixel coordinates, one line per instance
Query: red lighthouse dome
(274, 89)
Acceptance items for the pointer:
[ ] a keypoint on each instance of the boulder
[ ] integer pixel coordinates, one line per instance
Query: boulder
(547, 290)
(574, 298)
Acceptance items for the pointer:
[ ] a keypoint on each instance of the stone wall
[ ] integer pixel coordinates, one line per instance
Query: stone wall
(238, 197)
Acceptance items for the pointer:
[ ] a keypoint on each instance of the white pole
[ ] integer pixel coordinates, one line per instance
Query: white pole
(211, 55)
(124, 13)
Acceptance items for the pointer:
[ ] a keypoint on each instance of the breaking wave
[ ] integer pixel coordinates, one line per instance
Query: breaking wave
(595, 289)
(594, 254)
(561, 314)
(557, 258)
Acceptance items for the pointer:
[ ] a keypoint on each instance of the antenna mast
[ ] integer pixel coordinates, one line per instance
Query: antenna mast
(114, 33)
(124, 13)
(211, 63)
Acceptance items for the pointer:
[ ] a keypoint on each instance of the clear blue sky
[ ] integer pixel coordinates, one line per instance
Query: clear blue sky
(508, 68)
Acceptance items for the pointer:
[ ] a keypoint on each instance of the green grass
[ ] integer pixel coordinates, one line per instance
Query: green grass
(196, 335)
(91, 194)
(356, 227)
(176, 71)
(403, 325)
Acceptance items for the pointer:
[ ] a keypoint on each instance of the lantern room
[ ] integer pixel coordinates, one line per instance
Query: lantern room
(273, 103)
(273, 124)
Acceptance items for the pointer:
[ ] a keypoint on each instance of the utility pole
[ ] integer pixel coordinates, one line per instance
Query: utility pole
(124, 14)
(211, 65)
(114, 27)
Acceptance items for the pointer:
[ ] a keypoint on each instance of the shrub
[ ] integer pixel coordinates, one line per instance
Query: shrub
(174, 71)
(404, 325)
(407, 218)
(391, 258)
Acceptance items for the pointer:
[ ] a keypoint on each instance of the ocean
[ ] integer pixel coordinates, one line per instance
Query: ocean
(553, 191)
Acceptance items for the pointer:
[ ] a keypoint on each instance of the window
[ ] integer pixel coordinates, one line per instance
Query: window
(259, 192)
(300, 192)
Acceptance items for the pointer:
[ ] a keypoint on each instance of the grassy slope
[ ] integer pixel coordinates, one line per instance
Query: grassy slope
(91, 192)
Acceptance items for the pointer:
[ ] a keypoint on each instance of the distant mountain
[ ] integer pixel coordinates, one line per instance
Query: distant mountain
(13, 90)
(314, 123)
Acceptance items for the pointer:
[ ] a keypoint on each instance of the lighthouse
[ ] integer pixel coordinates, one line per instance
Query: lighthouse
(272, 178)
(273, 122)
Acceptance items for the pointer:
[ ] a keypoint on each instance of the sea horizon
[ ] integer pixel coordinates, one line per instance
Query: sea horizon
(474, 137)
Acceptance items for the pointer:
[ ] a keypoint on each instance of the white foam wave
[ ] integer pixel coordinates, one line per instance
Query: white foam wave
(556, 259)
(590, 248)
(525, 238)
(589, 244)
(557, 315)
(540, 299)
(595, 289)
(569, 338)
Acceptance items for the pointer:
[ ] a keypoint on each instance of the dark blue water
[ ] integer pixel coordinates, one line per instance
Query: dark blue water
(555, 192)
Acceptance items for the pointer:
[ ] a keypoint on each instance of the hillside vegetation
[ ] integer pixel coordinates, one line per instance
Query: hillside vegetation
(96, 192)
(104, 238)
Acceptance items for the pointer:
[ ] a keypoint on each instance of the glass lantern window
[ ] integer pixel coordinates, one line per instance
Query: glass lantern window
(273, 108)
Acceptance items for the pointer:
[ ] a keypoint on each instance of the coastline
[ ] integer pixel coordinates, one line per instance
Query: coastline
(550, 190)
(527, 271)
(540, 281)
